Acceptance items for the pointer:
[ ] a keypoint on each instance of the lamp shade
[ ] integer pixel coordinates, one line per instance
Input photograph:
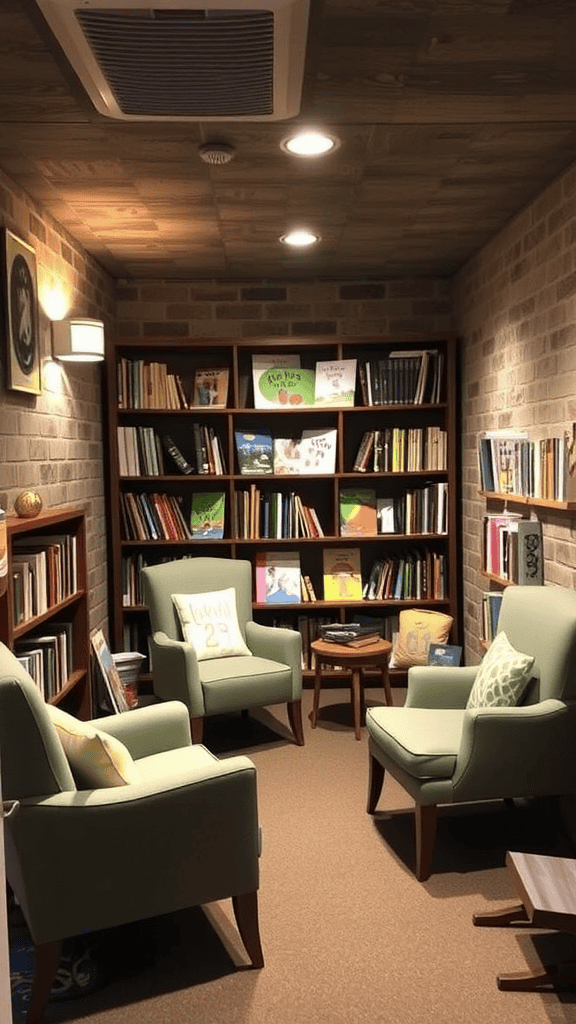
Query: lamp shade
(78, 340)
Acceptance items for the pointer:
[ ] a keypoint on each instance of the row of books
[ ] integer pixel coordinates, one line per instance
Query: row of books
(43, 574)
(402, 378)
(415, 575)
(275, 514)
(513, 548)
(509, 463)
(47, 657)
(402, 450)
(417, 510)
(146, 384)
(161, 516)
(491, 604)
(142, 452)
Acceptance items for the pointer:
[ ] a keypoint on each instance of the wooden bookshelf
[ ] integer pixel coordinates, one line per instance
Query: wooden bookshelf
(128, 618)
(63, 608)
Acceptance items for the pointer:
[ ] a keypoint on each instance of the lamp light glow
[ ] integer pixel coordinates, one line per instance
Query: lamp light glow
(309, 143)
(300, 238)
(78, 340)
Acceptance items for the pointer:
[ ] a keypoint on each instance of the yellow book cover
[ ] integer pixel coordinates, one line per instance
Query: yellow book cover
(342, 574)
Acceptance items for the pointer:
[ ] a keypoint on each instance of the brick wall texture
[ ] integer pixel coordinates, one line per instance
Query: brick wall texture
(513, 305)
(515, 309)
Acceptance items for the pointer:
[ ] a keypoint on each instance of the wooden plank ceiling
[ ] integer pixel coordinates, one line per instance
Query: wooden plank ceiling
(451, 116)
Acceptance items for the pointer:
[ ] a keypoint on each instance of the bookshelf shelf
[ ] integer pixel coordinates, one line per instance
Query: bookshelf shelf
(252, 491)
(64, 678)
(522, 499)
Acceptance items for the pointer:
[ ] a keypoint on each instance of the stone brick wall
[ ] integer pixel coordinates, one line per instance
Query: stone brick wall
(515, 308)
(53, 442)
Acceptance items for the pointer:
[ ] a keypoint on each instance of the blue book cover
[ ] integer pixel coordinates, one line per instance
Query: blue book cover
(255, 450)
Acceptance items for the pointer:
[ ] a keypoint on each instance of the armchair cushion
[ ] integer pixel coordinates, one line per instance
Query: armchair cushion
(97, 761)
(423, 742)
(418, 628)
(209, 622)
(503, 676)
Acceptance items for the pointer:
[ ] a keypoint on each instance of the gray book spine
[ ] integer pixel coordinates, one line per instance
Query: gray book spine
(530, 553)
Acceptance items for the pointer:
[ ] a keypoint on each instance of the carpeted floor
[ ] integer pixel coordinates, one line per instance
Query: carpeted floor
(349, 935)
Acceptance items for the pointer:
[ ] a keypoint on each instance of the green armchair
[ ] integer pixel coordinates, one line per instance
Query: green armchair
(180, 830)
(269, 671)
(443, 752)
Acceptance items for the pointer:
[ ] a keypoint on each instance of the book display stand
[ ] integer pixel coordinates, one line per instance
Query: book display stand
(339, 454)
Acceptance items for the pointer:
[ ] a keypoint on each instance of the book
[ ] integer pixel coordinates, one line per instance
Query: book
(358, 512)
(211, 388)
(207, 514)
(318, 451)
(286, 455)
(278, 577)
(530, 553)
(342, 574)
(109, 672)
(335, 382)
(385, 515)
(255, 451)
(280, 382)
(444, 654)
(176, 455)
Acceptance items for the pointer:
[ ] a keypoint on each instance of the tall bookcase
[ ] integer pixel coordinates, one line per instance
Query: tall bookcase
(65, 607)
(128, 617)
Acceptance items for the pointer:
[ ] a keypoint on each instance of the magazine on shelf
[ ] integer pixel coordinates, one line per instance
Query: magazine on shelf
(280, 382)
(210, 388)
(207, 515)
(109, 673)
(318, 451)
(342, 574)
(255, 450)
(278, 577)
(335, 383)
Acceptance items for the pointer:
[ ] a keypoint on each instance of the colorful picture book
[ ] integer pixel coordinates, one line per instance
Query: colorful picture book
(342, 574)
(287, 458)
(278, 578)
(207, 514)
(109, 672)
(255, 450)
(358, 512)
(211, 387)
(335, 383)
(444, 654)
(318, 451)
(280, 383)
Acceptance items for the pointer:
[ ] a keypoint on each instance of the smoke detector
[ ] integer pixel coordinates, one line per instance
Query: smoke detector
(216, 153)
(182, 60)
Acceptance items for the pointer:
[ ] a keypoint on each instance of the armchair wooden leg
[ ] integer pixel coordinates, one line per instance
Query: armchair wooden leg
(295, 719)
(375, 783)
(47, 958)
(246, 913)
(197, 728)
(426, 818)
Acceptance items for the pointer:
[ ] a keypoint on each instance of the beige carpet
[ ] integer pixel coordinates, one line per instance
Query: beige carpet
(349, 935)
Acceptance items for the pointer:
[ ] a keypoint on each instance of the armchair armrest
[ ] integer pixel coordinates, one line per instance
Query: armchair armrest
(435, 686)
(176, 661)
(139, 850)
(543, 732)
(278, 644)
(151, 730)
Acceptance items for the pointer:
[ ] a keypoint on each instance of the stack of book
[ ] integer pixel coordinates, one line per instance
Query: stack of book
(352, 634)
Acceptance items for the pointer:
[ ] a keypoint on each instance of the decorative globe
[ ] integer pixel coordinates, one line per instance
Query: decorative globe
(28, 504)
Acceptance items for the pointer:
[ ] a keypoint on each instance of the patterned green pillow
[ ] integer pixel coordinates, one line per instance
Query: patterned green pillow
(502, 677)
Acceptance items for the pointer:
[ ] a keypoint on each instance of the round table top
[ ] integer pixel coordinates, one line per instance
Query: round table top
(327, 648)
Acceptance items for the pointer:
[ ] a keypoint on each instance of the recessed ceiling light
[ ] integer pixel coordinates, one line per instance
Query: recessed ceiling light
(309, 143)
(301, 237)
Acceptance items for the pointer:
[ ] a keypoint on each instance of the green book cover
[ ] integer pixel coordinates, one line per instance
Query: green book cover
(358, 515)
(207, 514)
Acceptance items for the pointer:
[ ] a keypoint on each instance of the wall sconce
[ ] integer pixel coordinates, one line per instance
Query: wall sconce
(78, 340)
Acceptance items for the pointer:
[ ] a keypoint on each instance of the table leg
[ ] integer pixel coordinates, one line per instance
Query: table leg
(357, 698)
(317, 685)
(508, 916)
(386, 683)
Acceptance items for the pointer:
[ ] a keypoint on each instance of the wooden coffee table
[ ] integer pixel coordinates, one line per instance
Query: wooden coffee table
(547, 889)
(356, 659)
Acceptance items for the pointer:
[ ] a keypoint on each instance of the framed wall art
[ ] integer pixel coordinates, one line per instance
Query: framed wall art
(21, 316)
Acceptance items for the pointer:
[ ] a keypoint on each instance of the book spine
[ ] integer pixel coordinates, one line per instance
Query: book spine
(174, 452)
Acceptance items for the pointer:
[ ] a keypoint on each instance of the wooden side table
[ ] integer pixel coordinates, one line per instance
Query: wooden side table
(356, 659)
(547, 889)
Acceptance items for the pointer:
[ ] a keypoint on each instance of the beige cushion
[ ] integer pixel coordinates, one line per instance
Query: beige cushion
(98, 761)
(418, 628)
(502, 677)
(210, 623)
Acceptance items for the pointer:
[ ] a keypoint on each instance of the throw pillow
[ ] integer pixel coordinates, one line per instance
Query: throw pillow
(210, 623)
(97, 761)
(418, 628)
(503, 676)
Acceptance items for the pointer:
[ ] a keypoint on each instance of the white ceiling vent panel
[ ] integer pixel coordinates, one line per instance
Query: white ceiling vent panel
(177, 60)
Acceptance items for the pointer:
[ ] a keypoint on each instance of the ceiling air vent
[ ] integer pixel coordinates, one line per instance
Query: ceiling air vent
(180, 61)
